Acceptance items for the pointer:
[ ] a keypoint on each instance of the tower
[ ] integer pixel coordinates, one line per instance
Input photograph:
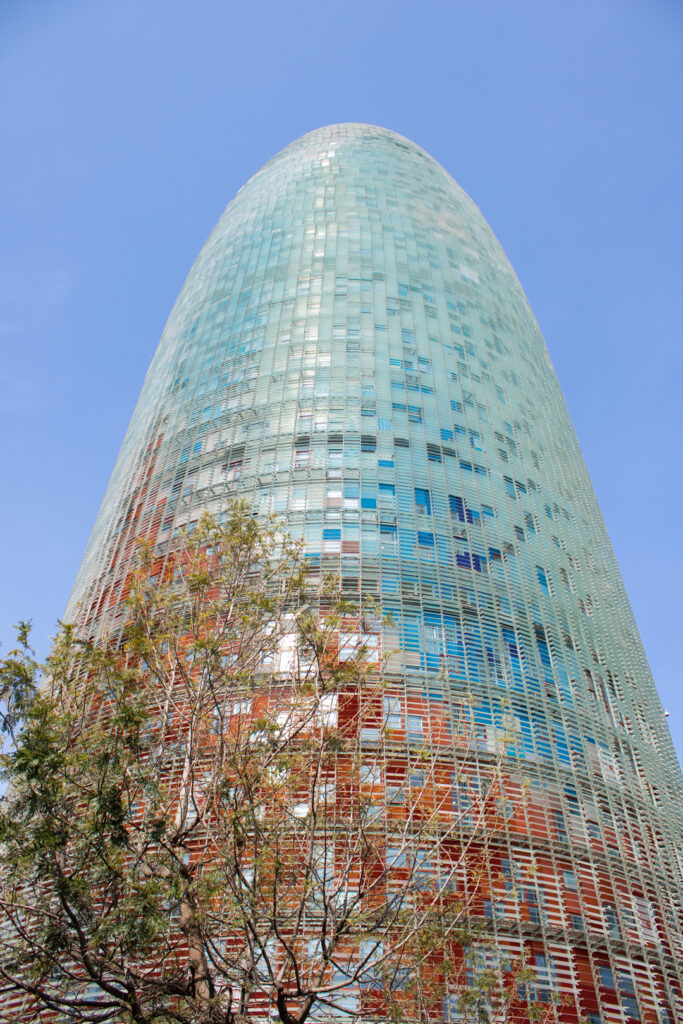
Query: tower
(353, 349)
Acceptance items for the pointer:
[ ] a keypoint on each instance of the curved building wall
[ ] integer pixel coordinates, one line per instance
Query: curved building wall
(353, 349)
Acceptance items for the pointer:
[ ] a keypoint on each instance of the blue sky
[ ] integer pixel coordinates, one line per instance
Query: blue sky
(127, 127)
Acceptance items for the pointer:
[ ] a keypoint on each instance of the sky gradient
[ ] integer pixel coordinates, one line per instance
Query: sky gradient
(128, 127)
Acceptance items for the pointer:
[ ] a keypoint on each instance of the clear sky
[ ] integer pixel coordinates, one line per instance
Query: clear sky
(126, 127)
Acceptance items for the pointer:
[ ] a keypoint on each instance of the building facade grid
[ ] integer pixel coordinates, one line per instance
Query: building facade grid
(353, 351)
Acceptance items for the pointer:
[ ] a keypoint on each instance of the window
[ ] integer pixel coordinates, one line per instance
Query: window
(492, 909)
(351, 495)
(628, 996)
(298, 500)
(302, 458)
(560, 827)
(370, 775)
(535, 904)
(415, 727)
(569, 879)
(331, 539)
(240, 707)
(611, 920)
(395, 794)
(457, 507)
(547, 976)
(605, 976)
(233, 471)
(631, 1007)
(573, 801)
(387, 537)
(396, 857)
(371, 950)
(393, 718)
(333, 495)
(423, 501)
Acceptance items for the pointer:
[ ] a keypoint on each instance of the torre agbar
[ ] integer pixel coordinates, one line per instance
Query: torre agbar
(353, 350)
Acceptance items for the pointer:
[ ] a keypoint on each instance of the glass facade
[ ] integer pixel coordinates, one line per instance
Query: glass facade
(352, 349)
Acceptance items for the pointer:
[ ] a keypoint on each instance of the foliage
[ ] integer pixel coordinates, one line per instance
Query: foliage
(211, 818)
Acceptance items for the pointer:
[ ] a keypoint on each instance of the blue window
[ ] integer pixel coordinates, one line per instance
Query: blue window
(606, 977)
(423, 501)
(457, 507)
(631, 1008)
(626, 984)
(573, 801)
(387, 536)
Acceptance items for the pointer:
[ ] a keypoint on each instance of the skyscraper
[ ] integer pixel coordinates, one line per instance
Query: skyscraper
(353, 349)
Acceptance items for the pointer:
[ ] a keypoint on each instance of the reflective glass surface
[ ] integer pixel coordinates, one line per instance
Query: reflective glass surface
(353, 349)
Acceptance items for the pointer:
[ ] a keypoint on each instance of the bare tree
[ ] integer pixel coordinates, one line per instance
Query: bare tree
(215, 814)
